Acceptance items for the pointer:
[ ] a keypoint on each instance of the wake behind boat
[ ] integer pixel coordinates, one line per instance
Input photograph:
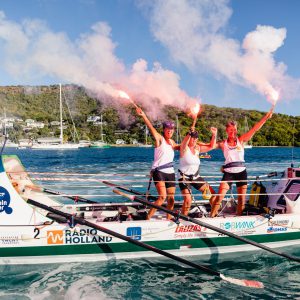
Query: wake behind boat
(38, 229)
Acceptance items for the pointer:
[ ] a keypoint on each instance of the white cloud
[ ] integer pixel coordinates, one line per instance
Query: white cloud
(194, 32)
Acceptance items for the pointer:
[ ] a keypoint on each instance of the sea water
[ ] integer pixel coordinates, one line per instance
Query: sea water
(157, 278)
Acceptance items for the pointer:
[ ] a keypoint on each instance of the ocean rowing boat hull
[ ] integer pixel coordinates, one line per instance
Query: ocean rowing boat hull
(28, 236)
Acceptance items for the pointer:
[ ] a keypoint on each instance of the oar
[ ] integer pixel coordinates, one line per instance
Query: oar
(52, 192)
(242, 282)
(214, 228)
(126, 189)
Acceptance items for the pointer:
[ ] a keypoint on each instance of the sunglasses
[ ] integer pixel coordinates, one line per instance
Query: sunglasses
(168, 125)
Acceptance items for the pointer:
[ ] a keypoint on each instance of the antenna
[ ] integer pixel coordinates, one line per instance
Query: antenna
(293, 144)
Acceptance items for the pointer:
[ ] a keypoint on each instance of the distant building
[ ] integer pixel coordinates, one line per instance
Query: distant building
(120, 132)
(93, 119)
(120, 142)
(55, 123)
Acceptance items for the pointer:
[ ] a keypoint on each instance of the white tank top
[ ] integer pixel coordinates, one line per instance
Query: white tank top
(162, 155)
(189, 163)
(233, 154)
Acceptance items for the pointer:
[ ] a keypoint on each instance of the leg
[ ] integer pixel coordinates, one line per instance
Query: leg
(187, 201)
(242, 190)
(162, 194)
(170, 199)
(224, 187)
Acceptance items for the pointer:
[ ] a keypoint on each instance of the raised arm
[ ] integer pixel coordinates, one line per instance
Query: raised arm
(184, 144)
(213, 141)
(152, 130)
(248, 135)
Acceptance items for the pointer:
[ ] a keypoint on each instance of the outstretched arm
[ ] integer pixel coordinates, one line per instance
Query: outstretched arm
(152, 130)
(248, 135)
(213, 141)
(184, 144)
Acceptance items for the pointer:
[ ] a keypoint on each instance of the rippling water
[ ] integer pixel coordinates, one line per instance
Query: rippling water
(145, 278)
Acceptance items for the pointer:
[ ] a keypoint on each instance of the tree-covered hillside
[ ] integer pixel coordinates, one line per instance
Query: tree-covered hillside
(42, 104)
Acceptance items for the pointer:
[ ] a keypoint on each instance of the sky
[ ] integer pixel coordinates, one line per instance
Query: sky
(237, 53)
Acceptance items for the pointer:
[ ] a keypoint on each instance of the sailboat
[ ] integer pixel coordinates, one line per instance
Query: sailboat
(247, 145)
(146, 145)
(54, 143)
(9, 143)
(101, 143)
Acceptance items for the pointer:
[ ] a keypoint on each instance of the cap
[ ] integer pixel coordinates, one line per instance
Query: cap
(231, 123)
(168, 124)
(194, 134)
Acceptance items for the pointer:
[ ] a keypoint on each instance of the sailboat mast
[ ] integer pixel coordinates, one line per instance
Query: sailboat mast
(101, 128)
(4, 122)
(61, 120)
(177, 130)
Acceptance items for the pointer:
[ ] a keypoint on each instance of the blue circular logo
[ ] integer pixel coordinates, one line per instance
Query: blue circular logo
(5, 201)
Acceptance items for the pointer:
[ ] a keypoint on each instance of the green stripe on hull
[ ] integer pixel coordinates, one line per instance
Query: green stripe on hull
(127, 247)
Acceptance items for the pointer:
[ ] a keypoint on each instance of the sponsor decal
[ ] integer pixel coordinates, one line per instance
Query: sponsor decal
(5, 201)
(134, 232)
(278, 222)
(9, 240)
(276, 229)
(189, 231)
(189, 228)
(82, 236)
(55, 237)
(236, 226)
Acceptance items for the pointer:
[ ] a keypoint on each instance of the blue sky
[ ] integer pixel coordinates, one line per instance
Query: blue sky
(196, 58)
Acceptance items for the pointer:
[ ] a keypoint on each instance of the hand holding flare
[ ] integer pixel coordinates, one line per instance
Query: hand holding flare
(122, 94)
(194, 111)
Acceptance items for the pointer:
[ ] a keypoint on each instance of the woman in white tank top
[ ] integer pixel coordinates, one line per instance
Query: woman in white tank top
(189, 167)
(234, 168)
(162, 170)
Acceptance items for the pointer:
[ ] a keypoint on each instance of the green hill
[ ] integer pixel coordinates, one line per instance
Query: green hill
(42, 104)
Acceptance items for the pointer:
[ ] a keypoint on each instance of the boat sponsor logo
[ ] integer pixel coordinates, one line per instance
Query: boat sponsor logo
(82, 236)
(276, 229)
(55, 237)
(134, 232)
(189, 228)
(278, 222)
(5, 201)
(189, 231)
(236, 226)
(9, 240)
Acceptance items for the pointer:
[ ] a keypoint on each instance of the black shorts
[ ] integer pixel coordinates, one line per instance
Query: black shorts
(236, 176)
(187, 183)
(169, 179)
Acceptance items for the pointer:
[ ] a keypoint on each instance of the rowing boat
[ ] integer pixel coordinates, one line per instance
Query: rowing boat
(36, 228)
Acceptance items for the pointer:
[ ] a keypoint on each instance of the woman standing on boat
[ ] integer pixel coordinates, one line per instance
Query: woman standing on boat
(162, 170)
(189, 167)
(234, 168)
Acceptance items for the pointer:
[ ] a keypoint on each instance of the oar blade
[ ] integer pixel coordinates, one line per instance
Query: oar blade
(243, 282)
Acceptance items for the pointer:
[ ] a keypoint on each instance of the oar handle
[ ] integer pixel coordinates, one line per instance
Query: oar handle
(130, 197)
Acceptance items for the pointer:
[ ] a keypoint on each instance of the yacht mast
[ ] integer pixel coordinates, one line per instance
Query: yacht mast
(177, 130)
(61, 120)
(146, 135)
(101, 128)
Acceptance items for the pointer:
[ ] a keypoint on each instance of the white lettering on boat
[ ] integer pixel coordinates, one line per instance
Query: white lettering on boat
(189, 228)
